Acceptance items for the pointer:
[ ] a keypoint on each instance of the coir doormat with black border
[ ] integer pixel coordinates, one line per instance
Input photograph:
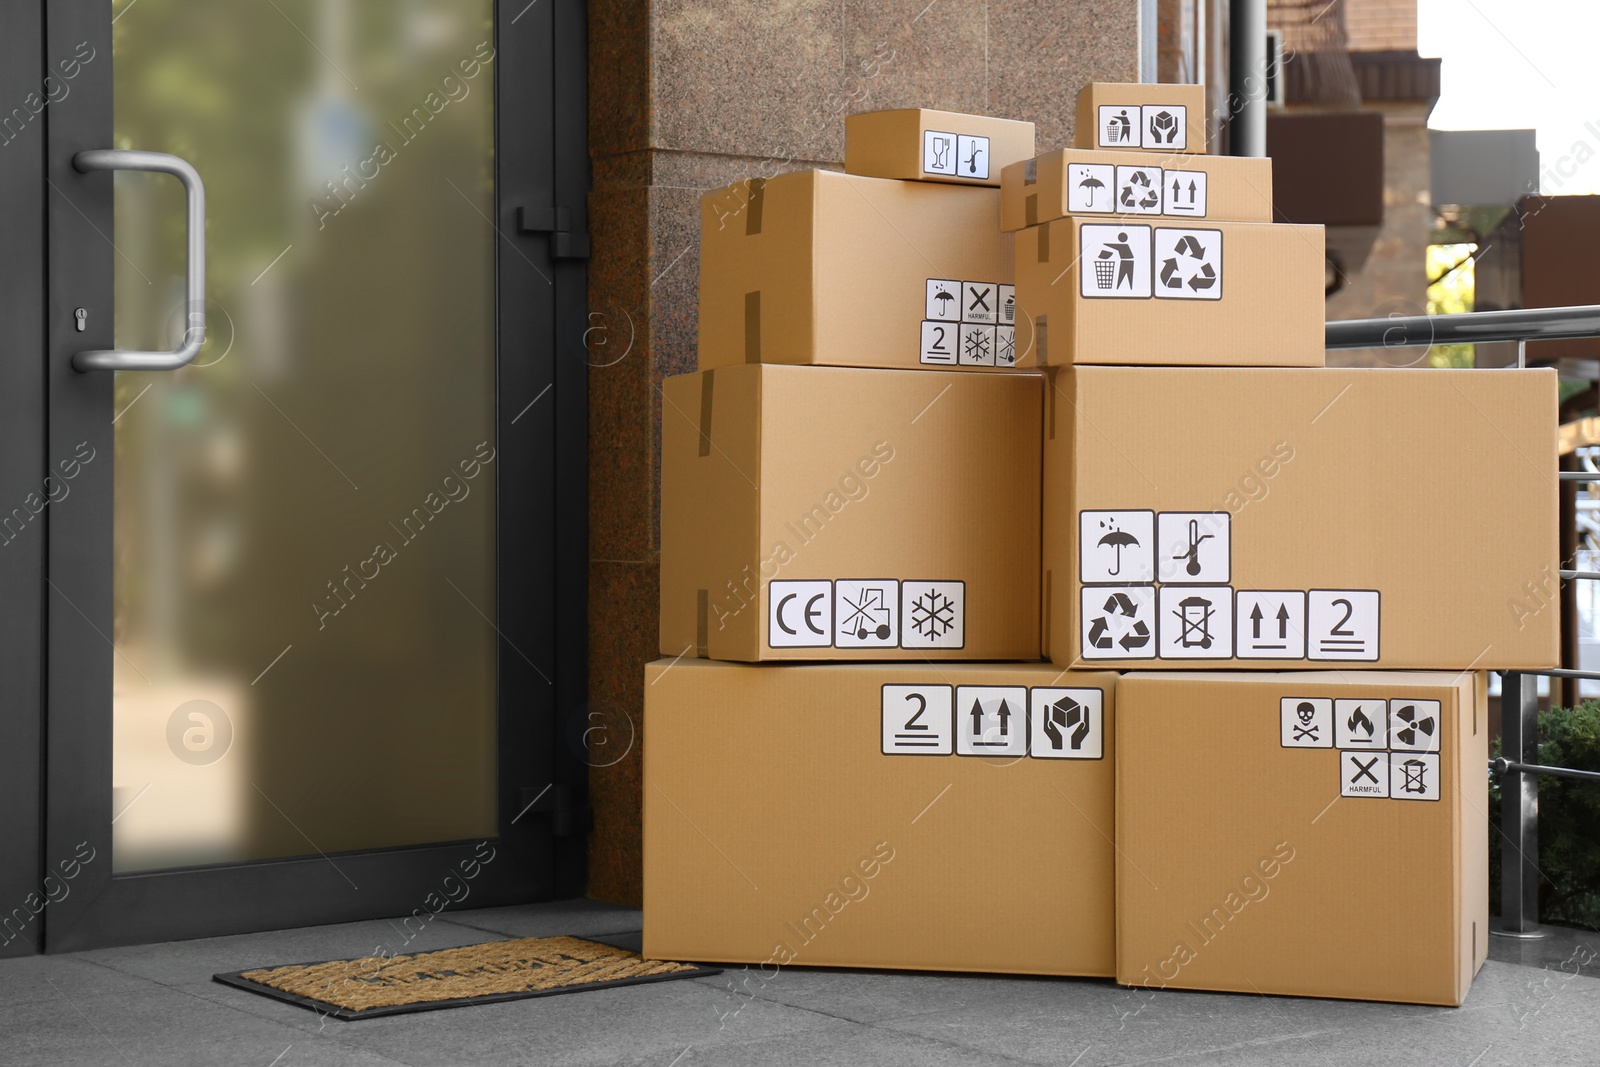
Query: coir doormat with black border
(486, 973)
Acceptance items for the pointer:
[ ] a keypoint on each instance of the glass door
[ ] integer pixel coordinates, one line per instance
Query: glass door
(291, 676)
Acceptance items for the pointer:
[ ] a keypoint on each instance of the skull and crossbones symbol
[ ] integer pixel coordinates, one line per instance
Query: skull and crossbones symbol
(1305, 729)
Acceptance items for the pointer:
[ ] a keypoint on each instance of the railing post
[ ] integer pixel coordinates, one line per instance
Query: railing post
(1519, 807)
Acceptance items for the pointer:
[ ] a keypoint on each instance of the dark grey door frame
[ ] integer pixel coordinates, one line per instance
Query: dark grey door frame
(56, 576)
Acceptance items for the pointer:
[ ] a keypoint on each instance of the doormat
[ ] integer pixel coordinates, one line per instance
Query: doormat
(454, 977)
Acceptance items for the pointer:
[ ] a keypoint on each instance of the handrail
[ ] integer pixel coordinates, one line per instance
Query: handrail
(1502, 765)
(1521, 324)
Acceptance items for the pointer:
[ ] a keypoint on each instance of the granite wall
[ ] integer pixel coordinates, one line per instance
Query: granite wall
(686, 96)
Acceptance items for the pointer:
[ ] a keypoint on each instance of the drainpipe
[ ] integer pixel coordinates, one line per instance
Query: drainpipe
(1247, 77)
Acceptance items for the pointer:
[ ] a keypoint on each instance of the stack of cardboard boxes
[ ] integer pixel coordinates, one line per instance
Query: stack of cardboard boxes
(962, 403)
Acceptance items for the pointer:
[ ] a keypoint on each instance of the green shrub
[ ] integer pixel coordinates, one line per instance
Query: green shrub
(1569, 820)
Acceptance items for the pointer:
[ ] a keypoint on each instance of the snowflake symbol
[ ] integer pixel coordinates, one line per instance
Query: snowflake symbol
(977, 345)
(933, 614)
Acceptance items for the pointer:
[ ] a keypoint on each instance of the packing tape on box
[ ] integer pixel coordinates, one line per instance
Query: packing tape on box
(752, 326)
(752, 213)
(707, 391)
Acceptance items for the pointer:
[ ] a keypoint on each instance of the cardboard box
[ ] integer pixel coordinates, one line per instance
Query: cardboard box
(1076, 181)
(1302, 519)
(832, 513)
(938, 146)
(1142, 117)
(824, 816)
(1158, 291)
(818, 267)
(1314, 834)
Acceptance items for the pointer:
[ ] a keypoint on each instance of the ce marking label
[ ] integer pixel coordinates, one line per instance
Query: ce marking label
(801, 614)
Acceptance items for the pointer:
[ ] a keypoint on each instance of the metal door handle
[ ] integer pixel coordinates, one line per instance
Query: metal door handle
(194, 334)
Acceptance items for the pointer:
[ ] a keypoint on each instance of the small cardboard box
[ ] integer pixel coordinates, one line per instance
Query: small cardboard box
(1158, 291)
(1142, 117)
(937, 146)
(1286, 518)
(1075, 181)
(1313, 834)
(837, 269)
(834, 513)
(853, 816)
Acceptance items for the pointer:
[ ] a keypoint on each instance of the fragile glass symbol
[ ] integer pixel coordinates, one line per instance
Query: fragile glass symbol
(941, 152)
(868, 615)
(933, 614)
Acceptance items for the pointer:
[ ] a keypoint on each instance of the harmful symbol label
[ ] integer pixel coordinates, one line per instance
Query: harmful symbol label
(1414, 775)
(1306, 722)
(1067, 723)
(934, 614)
(1270, 624)
(868, 613)
(918, 720)
(1188, 264)
(991, 720)
(1364, 774)
(1196, 622)
(1118, 623)
(801, 614)
(1342, 624)
(980, 302)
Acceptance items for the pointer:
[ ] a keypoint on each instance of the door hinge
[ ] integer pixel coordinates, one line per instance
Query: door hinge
(565, 242)
(570, 815)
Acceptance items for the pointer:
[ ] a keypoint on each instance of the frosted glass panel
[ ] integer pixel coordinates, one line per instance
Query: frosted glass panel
(305, 517)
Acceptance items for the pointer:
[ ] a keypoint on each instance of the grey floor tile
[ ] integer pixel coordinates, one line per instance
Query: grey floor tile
(31, 978)
(156, 1025)
(847, 1048)
(577, 917)
(652, 1022)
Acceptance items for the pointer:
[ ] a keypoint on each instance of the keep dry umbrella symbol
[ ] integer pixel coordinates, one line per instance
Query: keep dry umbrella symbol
(1118, 540)
(1091, 183)
(944, 296)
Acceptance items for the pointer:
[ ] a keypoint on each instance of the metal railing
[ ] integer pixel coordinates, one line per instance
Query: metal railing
(1519, 690)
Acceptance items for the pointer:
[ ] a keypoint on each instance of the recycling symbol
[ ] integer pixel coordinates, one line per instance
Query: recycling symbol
(1120, 618)
(1407, 733)
(1149, 199)
(1188, 266)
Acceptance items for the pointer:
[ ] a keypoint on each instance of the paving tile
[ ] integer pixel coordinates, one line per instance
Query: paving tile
(652, 1022)
(581, 918)
(847, 1048)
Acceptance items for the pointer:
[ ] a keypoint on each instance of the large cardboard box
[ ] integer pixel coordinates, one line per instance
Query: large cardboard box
(1144, 117)
(833, 513)
(837, 269)
(846, 816)
(1076, 181)
(1284, 518)
(1169, 291)
(941, 146)
(1313, 834)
